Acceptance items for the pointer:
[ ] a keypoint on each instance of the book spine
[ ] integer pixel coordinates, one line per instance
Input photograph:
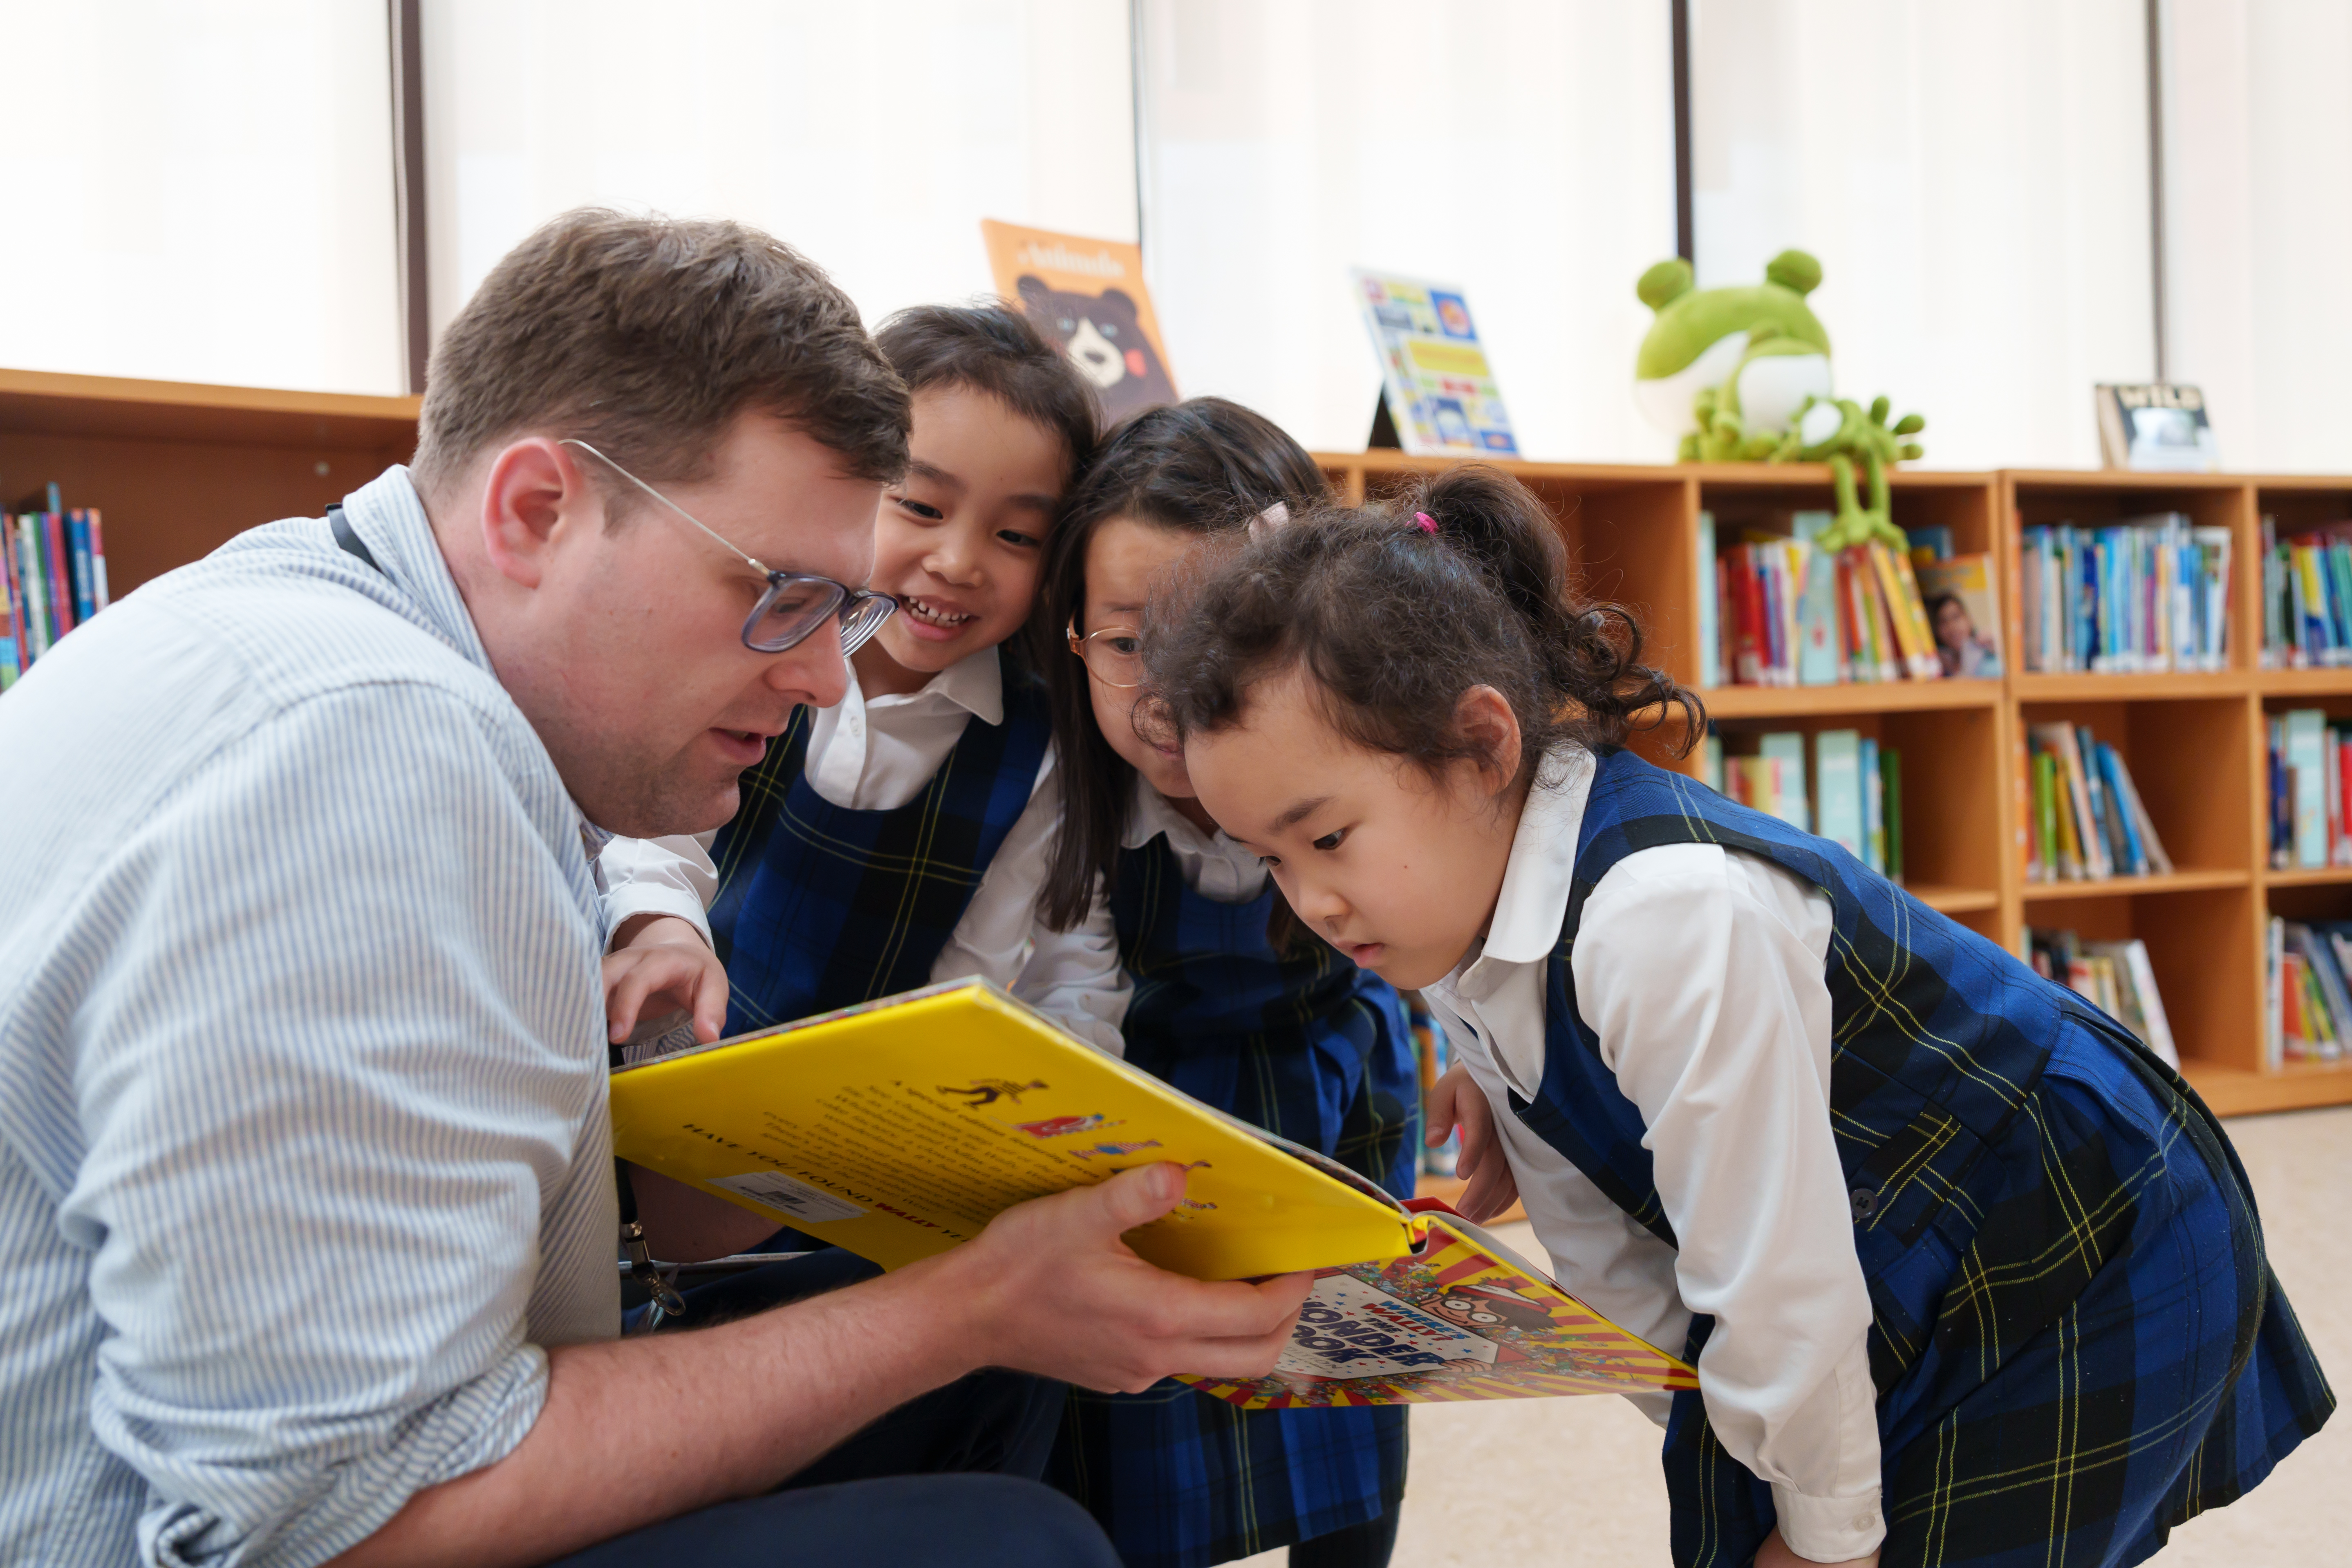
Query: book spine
(2135, 856)
(12, 621)
(61, 563)
(98, 591)
(84, 578)
(1710, 643)
(35, 580)
(1890, 762)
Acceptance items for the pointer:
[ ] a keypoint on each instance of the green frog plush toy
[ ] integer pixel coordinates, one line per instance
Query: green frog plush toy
(1743, 374)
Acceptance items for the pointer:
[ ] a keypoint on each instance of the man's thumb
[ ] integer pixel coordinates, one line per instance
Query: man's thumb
(1138, 1198)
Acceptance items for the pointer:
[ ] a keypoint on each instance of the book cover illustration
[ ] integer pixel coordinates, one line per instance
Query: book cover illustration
(1963, 614)
(1461, 1318)
(1088, 297)
(1440, 391)
(900, 1128)
(2156, 426)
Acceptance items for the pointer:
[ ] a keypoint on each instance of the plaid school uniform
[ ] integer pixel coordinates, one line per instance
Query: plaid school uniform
(1306, 1046)
(822, 907)
(2077, 1341)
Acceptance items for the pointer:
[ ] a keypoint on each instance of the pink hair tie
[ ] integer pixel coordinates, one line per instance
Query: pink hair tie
(1425, 522)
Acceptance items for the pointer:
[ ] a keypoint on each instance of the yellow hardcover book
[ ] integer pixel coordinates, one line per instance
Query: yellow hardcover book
(898, 1128)
(1908, 612)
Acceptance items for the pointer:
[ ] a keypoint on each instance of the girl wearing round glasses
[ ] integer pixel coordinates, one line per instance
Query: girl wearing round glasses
(1229, 1005)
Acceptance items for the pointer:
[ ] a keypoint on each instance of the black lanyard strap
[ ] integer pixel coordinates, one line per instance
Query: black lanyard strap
(348, 537)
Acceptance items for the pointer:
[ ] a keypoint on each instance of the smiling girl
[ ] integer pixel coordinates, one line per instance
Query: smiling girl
(1286, 1036)
(1968, 1276)
(898, 838)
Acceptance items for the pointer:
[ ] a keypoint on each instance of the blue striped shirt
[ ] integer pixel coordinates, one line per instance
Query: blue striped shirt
(303, 1151)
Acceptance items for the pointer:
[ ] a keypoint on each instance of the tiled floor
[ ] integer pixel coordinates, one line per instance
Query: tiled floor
(1576, 1481)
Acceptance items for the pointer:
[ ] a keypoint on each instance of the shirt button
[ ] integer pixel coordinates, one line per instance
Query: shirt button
(1865, 1204)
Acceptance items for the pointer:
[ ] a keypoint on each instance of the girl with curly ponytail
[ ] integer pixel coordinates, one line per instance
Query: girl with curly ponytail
(1969, 1274)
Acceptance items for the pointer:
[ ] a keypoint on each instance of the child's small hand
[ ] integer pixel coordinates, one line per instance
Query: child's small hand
(663, 957)
(1775, 1554)
(1455, 1102)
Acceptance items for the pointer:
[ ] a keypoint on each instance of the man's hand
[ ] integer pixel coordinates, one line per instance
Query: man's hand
(1052, 1289)
(1455, 1102)
(1775, 1554)
(663, 958)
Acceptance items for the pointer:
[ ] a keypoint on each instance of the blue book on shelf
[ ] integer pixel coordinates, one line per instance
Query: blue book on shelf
(1874, 806)
(2119, 802)
(1837, 772)
(2306, 759)
(1787, 747)
(77, 544)
(1936, 540)
(1819, 637)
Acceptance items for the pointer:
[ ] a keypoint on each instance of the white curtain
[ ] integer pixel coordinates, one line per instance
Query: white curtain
(1975, 181)
(872, 136)
(201, 190)
(2258, 224)
(1520, 147)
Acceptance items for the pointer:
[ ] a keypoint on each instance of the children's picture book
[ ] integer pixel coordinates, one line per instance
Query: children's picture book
(1088, 295)
(1440, 391)
(898, 1128)
(1461, 1317)
(2158, 425)
(1963, 614)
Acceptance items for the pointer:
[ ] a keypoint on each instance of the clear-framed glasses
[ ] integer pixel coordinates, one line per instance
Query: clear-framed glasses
(795, 603)
(1113, 655)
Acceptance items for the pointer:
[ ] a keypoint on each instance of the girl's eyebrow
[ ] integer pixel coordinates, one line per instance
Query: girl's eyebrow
(1299, 811)
(919, 469)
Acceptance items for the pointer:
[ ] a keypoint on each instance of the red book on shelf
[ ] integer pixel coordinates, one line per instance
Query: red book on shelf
(97, 558)
(1748, 637)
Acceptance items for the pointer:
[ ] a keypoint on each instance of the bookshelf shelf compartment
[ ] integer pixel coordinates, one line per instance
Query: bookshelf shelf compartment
(2135, 688)
(2132, 887)
(2309, 876)
(1883, 697)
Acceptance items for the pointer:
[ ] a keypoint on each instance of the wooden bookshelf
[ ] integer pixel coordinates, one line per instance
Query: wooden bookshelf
(2195, 742)
(177, 469)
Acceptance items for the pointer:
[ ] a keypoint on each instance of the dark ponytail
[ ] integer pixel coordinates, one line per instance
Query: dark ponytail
(1397, 609)
(1204, 466)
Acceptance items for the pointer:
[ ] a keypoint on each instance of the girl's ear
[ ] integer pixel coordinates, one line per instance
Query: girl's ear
(1484, 719)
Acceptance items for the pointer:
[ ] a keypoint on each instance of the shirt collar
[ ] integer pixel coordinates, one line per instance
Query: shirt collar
(974, 683)
(1150, 815)
(1541, 871)
(389, 517)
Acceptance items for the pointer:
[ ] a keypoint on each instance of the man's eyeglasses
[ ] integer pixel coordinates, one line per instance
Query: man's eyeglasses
(1113, 655)
(795, 604)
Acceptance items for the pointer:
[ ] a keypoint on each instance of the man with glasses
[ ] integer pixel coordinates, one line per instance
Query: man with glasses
(308, 1221)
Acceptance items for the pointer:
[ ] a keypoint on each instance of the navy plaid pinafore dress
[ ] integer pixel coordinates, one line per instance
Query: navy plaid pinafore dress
(2077, 1341)
(1306, 1046)
(821, 907)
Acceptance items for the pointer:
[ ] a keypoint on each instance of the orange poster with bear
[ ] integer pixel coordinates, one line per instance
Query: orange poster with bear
(1088, 297)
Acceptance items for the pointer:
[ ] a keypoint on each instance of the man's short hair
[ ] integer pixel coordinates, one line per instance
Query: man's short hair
(647, 337)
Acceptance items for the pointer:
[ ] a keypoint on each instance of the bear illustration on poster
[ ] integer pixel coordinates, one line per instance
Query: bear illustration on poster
(1103, 334)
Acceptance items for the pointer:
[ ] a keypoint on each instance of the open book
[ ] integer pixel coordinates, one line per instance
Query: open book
(898, 1128)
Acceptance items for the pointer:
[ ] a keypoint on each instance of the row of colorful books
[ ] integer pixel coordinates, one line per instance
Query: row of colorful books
(2116, 977)
(1433, 1054)
(2087, 821)
(1783, 611)
(2307, 598)
(2309, 772)
(52, 578)
(1859, 784)
(2308, 1010)
(2142, 596)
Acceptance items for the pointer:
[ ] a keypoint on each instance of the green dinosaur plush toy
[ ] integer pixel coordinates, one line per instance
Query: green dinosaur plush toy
(1743, 374)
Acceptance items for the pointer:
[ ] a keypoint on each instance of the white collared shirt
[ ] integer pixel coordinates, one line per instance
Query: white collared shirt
(877, 754)
(1213, 865)
(1701, 970)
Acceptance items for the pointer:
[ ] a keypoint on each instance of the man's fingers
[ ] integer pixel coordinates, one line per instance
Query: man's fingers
(1135, 1198)
(625, 997)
